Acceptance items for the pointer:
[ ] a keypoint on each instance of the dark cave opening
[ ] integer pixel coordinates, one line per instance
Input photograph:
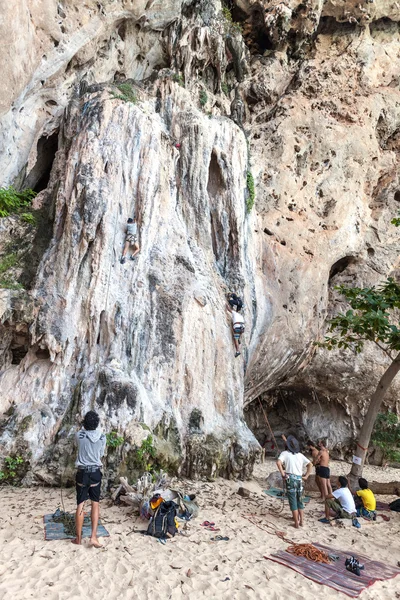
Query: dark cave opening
(255, 33)
(301, 411)
(20, 341)
(340, 265)
(39, 176)
(330, 26)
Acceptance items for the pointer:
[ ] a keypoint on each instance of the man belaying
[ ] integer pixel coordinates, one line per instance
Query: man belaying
(291, 463)
(91, 445)
(131, 239)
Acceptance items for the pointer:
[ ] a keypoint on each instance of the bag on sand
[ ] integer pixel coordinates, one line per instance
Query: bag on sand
(395, 505)
(163, 525)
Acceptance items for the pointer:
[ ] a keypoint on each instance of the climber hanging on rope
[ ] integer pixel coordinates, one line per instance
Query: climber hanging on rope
(131, 239)
(237, 326)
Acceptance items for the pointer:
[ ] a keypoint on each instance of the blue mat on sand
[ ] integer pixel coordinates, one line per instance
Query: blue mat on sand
(55, 531)
(277, 493)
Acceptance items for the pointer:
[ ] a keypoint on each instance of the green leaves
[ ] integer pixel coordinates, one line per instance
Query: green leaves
(250, 191)
(146, 454)
(203, 97)
(12, 469)
(127, 93)
(372, 317)
(12, 201)
(114, 440)
(386, 435)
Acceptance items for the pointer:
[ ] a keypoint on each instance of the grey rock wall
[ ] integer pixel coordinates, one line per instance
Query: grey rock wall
(149, 342)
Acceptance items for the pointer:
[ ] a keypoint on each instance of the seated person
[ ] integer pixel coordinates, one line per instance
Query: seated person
(366, 500)
(341, 501)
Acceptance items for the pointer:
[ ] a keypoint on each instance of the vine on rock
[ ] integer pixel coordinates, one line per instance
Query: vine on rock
(251, 193)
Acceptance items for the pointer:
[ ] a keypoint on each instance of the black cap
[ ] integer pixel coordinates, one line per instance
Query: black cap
(292, 444)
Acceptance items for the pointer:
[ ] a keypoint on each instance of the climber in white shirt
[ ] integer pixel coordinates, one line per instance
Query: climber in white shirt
(131, 239)
(237, 327)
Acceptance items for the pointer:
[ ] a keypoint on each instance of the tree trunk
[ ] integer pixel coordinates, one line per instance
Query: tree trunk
(370, 418)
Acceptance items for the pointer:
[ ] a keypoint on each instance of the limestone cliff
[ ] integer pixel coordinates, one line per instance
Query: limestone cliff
(303, 97)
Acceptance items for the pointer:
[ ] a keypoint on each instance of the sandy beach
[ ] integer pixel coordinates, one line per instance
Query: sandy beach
(134, 566)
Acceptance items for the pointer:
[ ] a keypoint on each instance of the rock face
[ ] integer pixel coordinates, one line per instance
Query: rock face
(313, 96)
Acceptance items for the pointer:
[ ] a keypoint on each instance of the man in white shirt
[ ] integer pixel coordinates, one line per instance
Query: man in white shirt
(237, 326)
(291, 463)
(341, 501)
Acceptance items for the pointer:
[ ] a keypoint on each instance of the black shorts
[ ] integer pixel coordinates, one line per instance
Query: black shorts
(324, 472)
(88, 486)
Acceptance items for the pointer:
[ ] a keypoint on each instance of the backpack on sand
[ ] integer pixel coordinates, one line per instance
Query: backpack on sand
(163, 525)
(395, 505)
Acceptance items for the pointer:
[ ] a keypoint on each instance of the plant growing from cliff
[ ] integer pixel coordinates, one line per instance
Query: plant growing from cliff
(395, 221)
(12, 469)
(386, 435)
(8, 262)
(12, 201)
(372, 318)
(225, 88)
(145, 454)
(127, 93)
(28, 218)
(251, 193)
(203, 98)
(230, 24)
(178, 78)
(114, 440)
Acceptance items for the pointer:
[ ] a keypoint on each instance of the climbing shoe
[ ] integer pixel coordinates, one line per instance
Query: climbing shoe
(353, 565)
(122, 261)
(356, 523)
(133, 257)
(237, 354)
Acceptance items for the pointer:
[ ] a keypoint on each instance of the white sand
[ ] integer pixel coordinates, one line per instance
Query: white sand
(138, 567)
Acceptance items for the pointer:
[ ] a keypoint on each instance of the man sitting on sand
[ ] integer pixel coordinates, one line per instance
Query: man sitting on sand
(291, 463)
(341, 502)
(324, 471)
(367, 501)
(91, 445)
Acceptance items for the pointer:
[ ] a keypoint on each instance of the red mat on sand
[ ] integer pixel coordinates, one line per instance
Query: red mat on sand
(335, 575)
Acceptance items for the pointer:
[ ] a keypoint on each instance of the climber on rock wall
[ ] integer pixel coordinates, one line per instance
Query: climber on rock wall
(237, 326)
(130, 239)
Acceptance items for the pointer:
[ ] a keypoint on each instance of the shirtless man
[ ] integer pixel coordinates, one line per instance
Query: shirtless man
(314, 451)
(324, 471)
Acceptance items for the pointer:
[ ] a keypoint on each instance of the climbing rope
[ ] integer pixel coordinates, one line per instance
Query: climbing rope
(267, 422)
(310, 552)
(268, 527)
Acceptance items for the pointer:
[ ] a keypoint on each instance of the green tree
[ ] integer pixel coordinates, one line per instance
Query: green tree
(372, 318)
